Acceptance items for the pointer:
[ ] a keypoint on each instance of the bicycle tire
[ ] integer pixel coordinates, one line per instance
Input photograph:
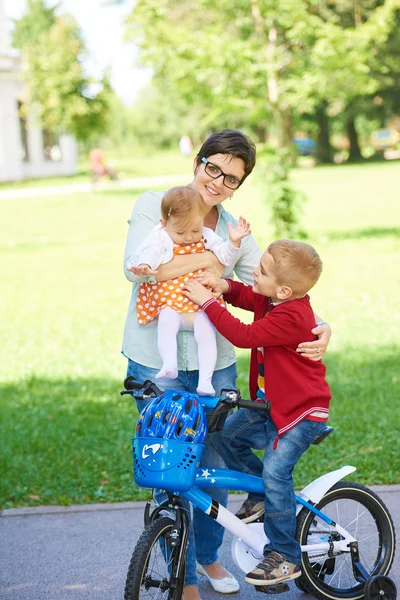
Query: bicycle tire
(332, 578)
(152, 568)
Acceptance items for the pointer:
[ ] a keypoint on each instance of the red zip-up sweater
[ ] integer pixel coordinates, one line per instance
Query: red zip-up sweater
(295, 385)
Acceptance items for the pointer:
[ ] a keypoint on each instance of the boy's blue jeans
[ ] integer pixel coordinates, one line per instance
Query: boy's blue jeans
(205, 538)
(248, 429)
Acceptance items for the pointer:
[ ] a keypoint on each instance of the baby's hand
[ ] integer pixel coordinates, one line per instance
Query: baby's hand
(210, 280)
(196, 292)
(141, 270)
(237, 233)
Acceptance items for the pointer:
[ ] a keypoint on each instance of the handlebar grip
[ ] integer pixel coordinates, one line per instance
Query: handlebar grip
(254, 405)
(130, 383)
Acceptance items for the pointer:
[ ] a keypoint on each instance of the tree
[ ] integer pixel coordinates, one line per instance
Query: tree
(249, 61)
(52, 52)
(363, 38)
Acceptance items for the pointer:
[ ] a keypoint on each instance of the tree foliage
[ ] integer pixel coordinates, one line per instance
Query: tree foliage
(270, 59)
(53, 51)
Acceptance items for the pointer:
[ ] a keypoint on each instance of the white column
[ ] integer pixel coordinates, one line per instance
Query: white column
(3, 30)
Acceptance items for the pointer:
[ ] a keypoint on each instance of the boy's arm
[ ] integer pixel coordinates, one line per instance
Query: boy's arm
(234, 292)
(279, 329)
(240, 295)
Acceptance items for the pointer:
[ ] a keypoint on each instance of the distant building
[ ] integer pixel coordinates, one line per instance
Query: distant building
(26, 150)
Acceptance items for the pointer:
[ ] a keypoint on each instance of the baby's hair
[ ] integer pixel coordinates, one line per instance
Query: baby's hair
(183, 204)
(297, 265)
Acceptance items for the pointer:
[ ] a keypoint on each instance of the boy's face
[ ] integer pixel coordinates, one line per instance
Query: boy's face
(265, 282)
(184, 234)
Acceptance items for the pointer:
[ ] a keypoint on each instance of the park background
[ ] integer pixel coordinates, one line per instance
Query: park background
(325, 72)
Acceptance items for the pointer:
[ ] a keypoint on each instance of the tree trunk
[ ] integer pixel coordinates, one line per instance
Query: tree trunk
(324, 148)
(355, 152)
(261, 133)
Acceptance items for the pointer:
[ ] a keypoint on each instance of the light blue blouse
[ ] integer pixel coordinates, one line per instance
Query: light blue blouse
(140, 341)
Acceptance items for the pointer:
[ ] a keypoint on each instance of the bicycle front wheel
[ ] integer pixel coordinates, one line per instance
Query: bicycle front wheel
(153, 570)
(362, 514)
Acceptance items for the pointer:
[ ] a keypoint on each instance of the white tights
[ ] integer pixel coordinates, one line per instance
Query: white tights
(169, 323)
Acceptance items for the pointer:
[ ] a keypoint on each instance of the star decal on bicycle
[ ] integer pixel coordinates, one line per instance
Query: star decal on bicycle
(205, 473)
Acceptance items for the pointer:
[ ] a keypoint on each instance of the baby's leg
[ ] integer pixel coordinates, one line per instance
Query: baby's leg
(169, 323)
(205, 336)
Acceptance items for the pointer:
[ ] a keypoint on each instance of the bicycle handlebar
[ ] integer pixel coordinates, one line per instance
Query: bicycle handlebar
(231, 399)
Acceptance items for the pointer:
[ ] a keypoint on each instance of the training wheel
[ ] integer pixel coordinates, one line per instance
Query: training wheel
(380, 587)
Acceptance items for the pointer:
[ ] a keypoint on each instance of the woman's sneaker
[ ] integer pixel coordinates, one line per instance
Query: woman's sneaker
(250, 510)
(273, 569)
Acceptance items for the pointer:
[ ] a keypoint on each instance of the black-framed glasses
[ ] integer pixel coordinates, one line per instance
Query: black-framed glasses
(215, 172)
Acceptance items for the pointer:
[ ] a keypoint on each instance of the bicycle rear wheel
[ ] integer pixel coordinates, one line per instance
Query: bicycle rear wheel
(155, 572)
(363, 514)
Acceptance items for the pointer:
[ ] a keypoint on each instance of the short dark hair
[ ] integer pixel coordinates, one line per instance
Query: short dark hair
(230, 141)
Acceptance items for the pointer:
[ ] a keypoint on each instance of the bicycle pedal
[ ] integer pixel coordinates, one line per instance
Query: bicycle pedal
(279, 588)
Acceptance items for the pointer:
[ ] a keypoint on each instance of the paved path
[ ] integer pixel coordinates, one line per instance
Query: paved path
(72, 188)
(82, 552)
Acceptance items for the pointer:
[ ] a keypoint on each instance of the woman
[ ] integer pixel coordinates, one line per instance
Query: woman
(224, 161)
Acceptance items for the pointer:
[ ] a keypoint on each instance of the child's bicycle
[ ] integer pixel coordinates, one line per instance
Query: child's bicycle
(345, 531)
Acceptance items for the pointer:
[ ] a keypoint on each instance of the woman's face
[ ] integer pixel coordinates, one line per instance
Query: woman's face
(213, 190)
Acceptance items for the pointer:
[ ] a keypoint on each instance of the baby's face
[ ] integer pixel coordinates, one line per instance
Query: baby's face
(188, 233)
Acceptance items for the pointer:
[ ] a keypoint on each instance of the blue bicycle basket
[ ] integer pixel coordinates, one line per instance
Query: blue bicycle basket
(169, 440)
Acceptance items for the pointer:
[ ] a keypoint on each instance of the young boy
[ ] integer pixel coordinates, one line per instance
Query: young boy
(295, 386)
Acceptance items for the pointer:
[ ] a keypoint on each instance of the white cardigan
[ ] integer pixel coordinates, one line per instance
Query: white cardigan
(158, 248)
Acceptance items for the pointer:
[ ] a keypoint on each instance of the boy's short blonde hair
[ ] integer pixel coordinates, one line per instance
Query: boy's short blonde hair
(297, 265)
(183, 204)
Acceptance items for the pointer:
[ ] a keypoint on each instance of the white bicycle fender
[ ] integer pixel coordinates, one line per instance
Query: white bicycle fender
(315, 490)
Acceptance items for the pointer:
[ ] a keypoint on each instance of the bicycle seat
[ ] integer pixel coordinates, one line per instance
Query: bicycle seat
(324, 434)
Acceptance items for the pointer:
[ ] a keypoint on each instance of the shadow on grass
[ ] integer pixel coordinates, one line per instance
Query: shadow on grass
(66, 441)
(69, 441)
(368, 232)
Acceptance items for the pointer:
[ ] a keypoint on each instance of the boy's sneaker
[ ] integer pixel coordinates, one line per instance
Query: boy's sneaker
(250, 510)
(273, 569)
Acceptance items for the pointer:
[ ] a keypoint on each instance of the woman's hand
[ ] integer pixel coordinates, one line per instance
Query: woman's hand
(196, 292)
(210, 280)
(213, 266)
(316, 350)
(141, 270)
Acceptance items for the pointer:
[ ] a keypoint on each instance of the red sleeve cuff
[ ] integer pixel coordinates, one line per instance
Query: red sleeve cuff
(208, 302)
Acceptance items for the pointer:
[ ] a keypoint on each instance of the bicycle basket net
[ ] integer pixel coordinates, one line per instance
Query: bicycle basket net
(169, 440)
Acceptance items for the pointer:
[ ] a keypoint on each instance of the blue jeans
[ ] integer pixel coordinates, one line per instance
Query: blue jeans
(248, 429)
(205, 538)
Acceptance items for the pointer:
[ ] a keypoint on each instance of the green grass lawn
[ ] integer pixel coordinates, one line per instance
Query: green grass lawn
(66, 432)
(137, 162)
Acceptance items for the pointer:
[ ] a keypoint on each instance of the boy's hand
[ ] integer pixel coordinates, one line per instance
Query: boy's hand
(197, 292)
(141, 270)
(237, 233)
(210, 280)
(316, 350)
